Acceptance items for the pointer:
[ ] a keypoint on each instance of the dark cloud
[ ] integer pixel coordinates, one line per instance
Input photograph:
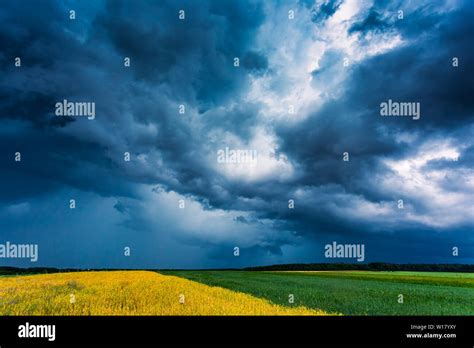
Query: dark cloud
(373, 21)
(322, 10)
(196, 52)
(120, 207)
(255, 62)
(19, 104)
(190, 63)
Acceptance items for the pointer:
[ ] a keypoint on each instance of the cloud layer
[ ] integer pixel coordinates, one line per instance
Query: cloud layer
(299, 82)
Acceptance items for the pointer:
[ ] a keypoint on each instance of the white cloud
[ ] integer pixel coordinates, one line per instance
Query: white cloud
(412, 178)
(269, 164)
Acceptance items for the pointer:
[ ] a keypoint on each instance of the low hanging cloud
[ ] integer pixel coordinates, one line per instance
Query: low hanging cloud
(306, 90)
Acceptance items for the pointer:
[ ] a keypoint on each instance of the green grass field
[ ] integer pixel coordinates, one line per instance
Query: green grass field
(352, 292)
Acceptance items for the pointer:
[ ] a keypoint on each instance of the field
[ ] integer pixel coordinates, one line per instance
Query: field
(353, 292)
(127, 293)
(238, 293)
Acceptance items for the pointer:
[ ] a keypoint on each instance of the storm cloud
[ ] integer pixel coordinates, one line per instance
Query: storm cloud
(303, 92)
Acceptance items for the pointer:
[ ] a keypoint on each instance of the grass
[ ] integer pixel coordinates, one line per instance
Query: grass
(128, 293)
(352, 292)
(435, 278)
(238, 293)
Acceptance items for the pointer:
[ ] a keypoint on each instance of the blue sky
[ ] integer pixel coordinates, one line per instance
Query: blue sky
(307, 89)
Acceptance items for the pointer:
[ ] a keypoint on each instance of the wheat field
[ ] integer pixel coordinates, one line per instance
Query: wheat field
(128, 293)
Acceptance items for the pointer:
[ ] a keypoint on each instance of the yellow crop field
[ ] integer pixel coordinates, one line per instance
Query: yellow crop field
(128, 293)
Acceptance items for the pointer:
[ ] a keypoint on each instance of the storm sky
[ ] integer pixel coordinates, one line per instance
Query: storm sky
(310, 79)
